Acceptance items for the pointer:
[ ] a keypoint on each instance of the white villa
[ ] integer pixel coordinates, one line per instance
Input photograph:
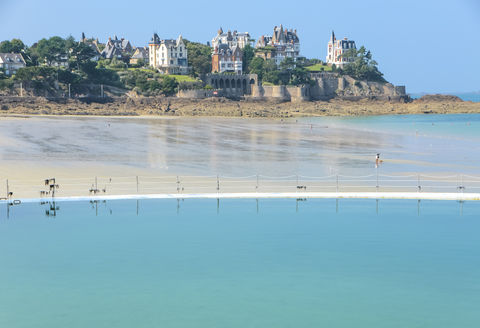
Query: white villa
(11, 62)
(336, 48)
(168, 56)
(235, 39)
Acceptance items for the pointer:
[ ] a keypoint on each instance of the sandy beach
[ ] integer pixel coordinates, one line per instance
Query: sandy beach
(114, 156)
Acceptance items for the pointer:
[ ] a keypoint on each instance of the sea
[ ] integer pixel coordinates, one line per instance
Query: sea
(240, 263)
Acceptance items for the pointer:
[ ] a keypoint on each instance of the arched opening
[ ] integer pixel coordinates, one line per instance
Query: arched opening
(227, 83)
(216, 84)
(244, 86)
(221, 84)
(239, 84)
(233, 84)
(252, 81)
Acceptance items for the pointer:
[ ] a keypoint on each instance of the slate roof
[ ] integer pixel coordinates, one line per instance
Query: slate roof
(11, 58)
(141, 53)
(115, 48)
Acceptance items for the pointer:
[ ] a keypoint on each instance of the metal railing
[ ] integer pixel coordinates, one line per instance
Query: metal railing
(18, 188)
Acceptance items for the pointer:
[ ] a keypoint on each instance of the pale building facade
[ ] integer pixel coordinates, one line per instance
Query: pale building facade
(11, 62)
(235, 39)
(337, 48)
(168, 56)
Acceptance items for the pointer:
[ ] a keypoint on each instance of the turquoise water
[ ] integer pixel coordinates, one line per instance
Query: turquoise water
(409, 143)
(240, 263)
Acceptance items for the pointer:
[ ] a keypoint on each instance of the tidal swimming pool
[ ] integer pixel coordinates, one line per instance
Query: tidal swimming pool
(240, 263)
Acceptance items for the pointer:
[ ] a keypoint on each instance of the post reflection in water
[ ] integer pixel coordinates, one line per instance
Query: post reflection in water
(51, 209)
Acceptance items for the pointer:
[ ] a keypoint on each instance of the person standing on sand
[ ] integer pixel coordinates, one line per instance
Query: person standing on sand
(377, 160)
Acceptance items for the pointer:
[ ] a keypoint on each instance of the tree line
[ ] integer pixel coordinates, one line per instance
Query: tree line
(44, 71)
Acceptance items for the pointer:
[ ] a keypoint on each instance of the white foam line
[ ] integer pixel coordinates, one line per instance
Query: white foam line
(253, 195)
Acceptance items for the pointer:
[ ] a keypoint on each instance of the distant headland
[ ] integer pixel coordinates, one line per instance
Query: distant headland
(230, 76)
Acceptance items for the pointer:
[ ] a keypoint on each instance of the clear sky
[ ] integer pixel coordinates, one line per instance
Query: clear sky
(427, 45)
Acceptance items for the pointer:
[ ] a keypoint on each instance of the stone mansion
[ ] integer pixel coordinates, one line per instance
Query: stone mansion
(168, 56)
(282, 44)
(227, 55)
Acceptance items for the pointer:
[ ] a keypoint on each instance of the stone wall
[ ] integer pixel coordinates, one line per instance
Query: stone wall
(235, 85)
(281, 93)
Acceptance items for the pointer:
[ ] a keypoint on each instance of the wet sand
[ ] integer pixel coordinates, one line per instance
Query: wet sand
(75, 150)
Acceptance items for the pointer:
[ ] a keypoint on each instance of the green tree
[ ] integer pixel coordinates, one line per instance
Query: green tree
(169, 85)
(51, 50)
(80, 54)
(199, 58)
(272, 74)
(256, 66)
(248, 55)
(363, 66)
(15, 45)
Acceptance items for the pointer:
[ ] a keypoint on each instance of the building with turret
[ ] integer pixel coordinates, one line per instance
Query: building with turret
(336, 50)
(168, 56)
(227, 59)
(282, 44)
(235, 39)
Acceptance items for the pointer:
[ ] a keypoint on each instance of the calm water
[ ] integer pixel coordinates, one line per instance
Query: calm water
(239, 263)
(241, 147)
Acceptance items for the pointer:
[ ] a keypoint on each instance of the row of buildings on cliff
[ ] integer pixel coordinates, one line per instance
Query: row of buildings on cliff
(170, 56)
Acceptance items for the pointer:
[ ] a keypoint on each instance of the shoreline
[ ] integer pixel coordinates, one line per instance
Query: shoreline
(222, 107)
(270, 195)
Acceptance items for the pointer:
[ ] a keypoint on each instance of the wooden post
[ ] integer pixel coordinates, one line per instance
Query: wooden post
(337, 182)
(218, 184)
(69, 93)
(256, 187)
(8, 191)
(137, 183)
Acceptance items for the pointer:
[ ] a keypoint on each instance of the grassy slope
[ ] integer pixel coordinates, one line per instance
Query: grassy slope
(318, 68)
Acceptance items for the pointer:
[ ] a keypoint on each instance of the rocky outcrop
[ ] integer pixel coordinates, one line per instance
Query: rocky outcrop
(331, 85)
(217, 106)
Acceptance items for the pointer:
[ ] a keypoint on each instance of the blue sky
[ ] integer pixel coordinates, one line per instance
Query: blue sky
(431, 46)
